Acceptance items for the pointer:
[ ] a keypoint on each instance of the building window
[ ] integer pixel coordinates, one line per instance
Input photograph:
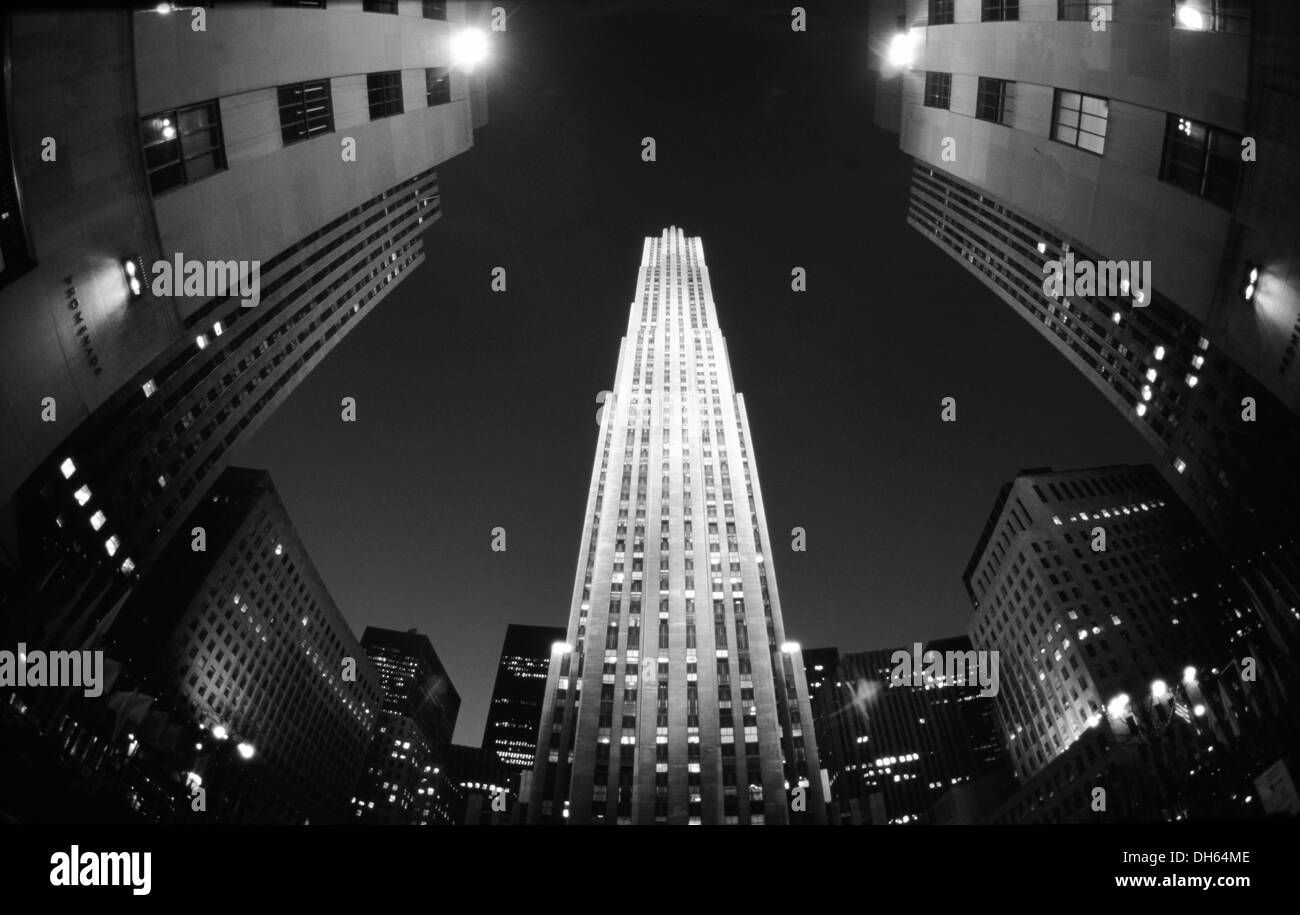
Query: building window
(435, 9)
(940, 12)
(1080, 120)
(992, 102)
(183, 145)
(1084, 10)
(999, 10)
(384, 91)
(379, 6)
(1202, 159)
(305, 111)
(437, 82)
(938, 89)
(1231, 16)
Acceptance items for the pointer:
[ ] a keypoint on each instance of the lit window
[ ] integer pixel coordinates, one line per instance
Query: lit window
(306, 110)
(202, 341)
(111, 544)
(149, 388)
(1231, 16)
(1080, 120)
(82, 495)
(1202, 160)
(182, 145)
(97, 520)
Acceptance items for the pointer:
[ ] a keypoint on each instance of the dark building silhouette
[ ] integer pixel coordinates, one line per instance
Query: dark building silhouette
(244, 641)
(896, 747)
(487, 786)
(518, 694)
(403, 781)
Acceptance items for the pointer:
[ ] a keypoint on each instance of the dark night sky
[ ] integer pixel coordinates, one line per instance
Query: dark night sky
(476, 409)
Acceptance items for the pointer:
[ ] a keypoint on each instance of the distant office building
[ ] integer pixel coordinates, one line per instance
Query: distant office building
(402, 782)
(895, 747)
(1144, 132)
(675, 697)
(485, 782)
(315, 160)
(518, 694)
(819, 667)
(1209, 746)
(1092, 585)
(245, 637)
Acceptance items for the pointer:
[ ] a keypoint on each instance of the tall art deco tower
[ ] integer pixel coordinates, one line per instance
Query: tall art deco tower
(675, 698)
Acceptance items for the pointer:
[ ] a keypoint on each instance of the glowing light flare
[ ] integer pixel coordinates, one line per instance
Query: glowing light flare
(902, 49)
(469, 48)
(1189, 17)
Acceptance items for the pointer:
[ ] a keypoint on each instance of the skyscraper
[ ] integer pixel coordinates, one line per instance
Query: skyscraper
(244, 637)
(898, 746)
(517, 695)
(1144, 133)
(1092, 585)
(403, 780)
(675, 697)
(315, 161)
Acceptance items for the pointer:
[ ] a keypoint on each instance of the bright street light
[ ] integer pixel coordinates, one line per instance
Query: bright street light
(902, 49)
(469, 48)
(1189, 17)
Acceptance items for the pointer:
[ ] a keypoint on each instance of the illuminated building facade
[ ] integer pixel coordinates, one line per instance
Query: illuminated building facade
(675, 697)
(517, 695)
(244, 636)
(892, 750)
(240, 156)
(403, 781)
(1163, 133)
(1078, 627)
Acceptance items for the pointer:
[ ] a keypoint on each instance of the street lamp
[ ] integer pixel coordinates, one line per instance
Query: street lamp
(469, 48)
(902, 49)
